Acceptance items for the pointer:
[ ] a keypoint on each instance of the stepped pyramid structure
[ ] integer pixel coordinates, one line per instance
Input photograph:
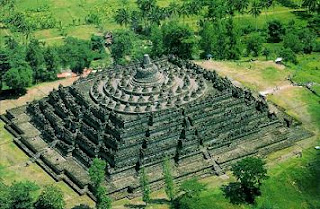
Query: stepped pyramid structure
(135, 116)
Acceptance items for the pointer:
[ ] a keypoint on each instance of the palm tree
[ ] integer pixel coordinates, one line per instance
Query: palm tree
(312, 5)
(216, 10)
(157, 14)
(184, 11)
(146, 6)
(266, 4)
(122, 16)
(195, 6)
(241, 5)
(255, 10)
(173, 9)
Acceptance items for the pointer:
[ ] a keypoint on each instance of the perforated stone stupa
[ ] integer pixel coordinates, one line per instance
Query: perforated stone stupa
(135, 116)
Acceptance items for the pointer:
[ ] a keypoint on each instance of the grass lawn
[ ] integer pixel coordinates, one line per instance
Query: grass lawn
(308, 68)
(12, 168)
(257, 75)
(67, 11)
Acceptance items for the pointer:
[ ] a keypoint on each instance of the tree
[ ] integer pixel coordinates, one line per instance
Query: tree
(254, 44)
(233, 6)
(221, 39)
(168, 179)
(208, 40)
(291, 40)
(178, 39)
(50, 198)
(255, 10)
(19, 23)
(275, 31)
(157, 15)
(146, 7)
(241, 5)
(157, 41)
(103, 201)
(97, 172)
(122, 16)
(18, 78)
(266, 4)
(53, 62)
(145, 186)
(307, 38)
(173, 9)
(299, 38)
(236, 194)
(76, 54)
(4, 64)
(266, 52)
(35, 58)
(93, 17)
(191, 190)
(288, 55)
(20, 195)
(8, 5)
(217, 10)
(5, 200)
(233, 40)
(193, 7)
(250, 172)
(136, 21)
(97, 176)
(312, 5)
(122, 46)
(98, 46)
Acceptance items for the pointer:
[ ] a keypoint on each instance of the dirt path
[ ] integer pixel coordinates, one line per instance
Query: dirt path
(34, 93)
(52, 38)
(276, 89)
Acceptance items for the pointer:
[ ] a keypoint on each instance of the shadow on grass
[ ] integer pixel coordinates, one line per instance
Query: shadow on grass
(12, 94)
(160, 201)
(308, 180)
(304, 15)
(134, 206)
(153, 201)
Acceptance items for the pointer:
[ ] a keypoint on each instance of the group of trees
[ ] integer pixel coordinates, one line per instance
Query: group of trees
(97, 176)
(23, 195)
(22, 66)
(20, 195)
(250, 173)
(158, 31)
(218, 36)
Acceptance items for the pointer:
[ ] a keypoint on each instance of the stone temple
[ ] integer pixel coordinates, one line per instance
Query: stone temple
(135, 116)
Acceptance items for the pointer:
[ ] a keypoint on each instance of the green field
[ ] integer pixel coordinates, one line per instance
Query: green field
(67, 11)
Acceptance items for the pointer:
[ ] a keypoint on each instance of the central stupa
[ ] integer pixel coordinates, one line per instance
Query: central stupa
(148, 88)
(148, 74)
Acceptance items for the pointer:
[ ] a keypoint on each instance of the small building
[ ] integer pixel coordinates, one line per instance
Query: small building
(278, 60)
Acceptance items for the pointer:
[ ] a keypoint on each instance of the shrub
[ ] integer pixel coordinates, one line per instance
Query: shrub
(288, 55)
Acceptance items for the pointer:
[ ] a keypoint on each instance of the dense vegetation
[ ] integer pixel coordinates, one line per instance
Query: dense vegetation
(21, 195)
(24, 65)
(157, 29)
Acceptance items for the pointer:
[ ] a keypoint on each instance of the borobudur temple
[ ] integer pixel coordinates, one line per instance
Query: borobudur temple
(135, 116)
